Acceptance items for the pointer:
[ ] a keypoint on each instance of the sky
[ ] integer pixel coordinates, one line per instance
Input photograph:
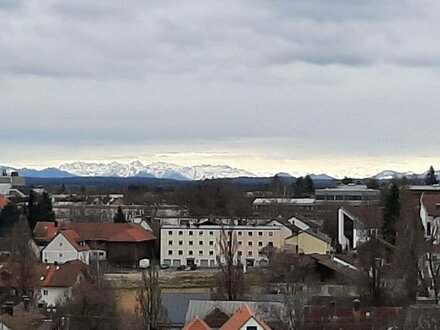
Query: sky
(341, 87)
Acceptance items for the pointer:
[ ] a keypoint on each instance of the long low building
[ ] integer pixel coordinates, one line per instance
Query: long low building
(199, 244)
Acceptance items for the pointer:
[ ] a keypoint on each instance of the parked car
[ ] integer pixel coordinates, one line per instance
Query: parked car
(181, 267)
(164, 266)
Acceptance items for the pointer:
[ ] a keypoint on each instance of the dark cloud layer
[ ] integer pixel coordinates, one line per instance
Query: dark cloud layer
(349, 74)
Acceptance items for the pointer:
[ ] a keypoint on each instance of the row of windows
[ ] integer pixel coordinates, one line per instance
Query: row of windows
(211, 233)
(170, 242)
(190, 252)
(211, 253)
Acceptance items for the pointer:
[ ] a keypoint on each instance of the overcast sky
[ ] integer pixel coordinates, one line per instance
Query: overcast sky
(342, 87)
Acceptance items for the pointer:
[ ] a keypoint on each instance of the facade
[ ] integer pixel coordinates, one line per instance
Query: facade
(283, 206)
(308, 242)
(430, 215)
(357, 225)
(187, 245)
(66, 246)
(348, 194)
(9, 183)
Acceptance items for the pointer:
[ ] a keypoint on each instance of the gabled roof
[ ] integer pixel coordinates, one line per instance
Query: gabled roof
(243, 315)
(431, 202)
(3, 202)
(197, 324)
(321, 236)
(94, 231)
(65, 275)
(370, 216)
(74, 239)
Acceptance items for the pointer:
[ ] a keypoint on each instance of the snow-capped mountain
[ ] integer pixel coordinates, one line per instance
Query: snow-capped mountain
(156, 169)
(389, 175)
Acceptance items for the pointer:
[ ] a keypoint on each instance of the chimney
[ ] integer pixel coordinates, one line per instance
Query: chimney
(26, 303)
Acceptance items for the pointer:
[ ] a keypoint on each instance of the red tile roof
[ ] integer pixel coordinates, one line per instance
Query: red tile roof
(74, 239)
(3, 202)
(239, 319)
(95, 231)
(370, 216)
(197, 324)
(65, 275)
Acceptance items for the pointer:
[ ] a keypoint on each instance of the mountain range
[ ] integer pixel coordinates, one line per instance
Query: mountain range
(162, 170)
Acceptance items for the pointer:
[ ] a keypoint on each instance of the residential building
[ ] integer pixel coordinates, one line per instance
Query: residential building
(351, 194)
(197, 324)
(9, 184)
(65, 246)
(430, 215)
(245, 319)
(358, 224)
(123, 243)
(198, 244)
(55, 282)
(308, 242)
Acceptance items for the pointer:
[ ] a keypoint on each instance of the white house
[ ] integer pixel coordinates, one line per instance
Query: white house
(57, 281)
(66, 246)
(430, 215)
(357, 225)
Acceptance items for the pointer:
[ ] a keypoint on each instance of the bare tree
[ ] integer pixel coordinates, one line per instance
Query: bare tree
(150, 310)
(230, 280)
(23, 254)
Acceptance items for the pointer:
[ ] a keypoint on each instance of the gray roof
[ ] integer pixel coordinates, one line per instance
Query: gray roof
(177, 304)
(202, 308)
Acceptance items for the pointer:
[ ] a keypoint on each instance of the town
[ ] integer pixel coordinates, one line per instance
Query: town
(286, 253)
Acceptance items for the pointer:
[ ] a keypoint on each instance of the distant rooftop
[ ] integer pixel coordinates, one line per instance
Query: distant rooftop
(286, 201)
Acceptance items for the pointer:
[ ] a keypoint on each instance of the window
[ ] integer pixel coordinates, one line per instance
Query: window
(170, 252)
(180, 232)
(250, 233)
(211, 233)
(240, 233)
(200, 242)
(45, 292)
(61, 244)
(211, 253)
(170, 242)
(170, 232)
(270, 244)
(249, 253)
(251, 327)
(190, 242)
(60, 255)
(250, 243)
(190, 233)
(211, 243)
(260, 243)
(270, 233)
(101, 253)
(240, 253)
(200, 253)
(428, 228)
(180, 252)
(240, 243)
(180, 242)
(260, 233)
(190, 252)
(200, 233)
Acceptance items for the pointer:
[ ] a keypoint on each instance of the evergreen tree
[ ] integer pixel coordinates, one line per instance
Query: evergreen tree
(346, 180)
(32, 210)
(431, 177)
(8, 217)
(119, 216)
(44, 206)
(299, 187)
(391, 214)
(309, 186)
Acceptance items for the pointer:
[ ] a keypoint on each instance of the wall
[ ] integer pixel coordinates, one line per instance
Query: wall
(308, 243)
(54, 294)
(57, 247)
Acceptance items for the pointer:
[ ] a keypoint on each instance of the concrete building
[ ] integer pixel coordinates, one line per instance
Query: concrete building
(351, 194)
(199, 244)
(430, 215)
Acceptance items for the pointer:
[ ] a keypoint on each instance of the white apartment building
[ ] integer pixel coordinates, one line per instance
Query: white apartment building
(192, 244)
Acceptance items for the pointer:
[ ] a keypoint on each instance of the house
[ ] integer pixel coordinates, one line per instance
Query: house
(65, 246)
(197, 324)
(308, 242)
(358, 224)
(123, 243)
(245, 318)
(198, 244)
(430, 215)
(55, 282)
(215, 313)
(21, 316)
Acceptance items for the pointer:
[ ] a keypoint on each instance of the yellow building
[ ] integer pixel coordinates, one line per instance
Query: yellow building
(309, 242)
